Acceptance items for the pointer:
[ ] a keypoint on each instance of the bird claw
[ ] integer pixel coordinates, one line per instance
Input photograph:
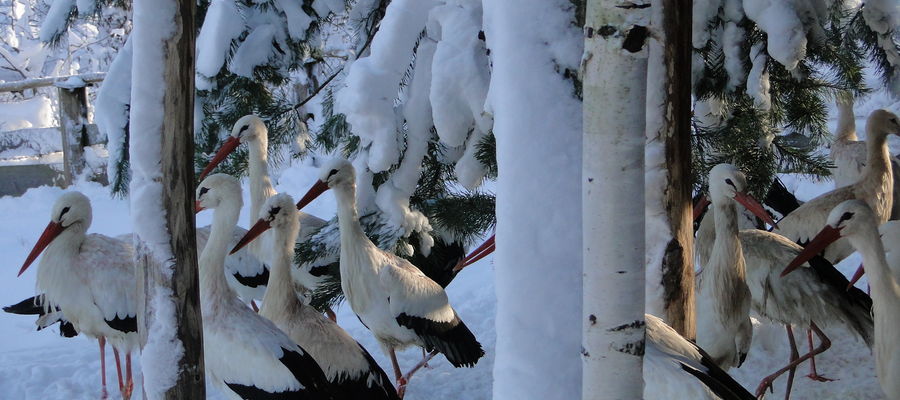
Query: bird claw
(761, 389)
(401, 386)
(820, 378)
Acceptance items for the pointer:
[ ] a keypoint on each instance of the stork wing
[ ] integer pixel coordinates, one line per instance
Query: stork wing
(107, 265)
(801, 225)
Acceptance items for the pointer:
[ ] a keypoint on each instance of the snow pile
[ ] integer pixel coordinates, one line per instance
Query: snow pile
(221, 25)
(55, 22)
(758, 79)
(162, 350)
(255, 50)
(883, 17)
(32, 113)
(113, 102)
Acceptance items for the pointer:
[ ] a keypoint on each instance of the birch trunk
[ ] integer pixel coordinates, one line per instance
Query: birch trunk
(615, 76)
(162, 197)
(670, 268)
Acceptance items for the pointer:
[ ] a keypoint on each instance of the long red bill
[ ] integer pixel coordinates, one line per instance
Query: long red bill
(757, 209)
(230, 144)
(257, 229)
(318, 188)
(827, 236)
(856, 276)
(197, 207)
(486, 248)
(701, 205)
(52, 230)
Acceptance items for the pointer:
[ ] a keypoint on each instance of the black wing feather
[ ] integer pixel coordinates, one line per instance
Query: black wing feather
(359, 388)
(260, 279)
(29, 306)
(127, 324)
(453, 338)
(855, 304)
(308, 373)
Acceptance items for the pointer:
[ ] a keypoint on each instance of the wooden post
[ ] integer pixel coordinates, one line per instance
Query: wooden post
(72, 128)
(678, 259)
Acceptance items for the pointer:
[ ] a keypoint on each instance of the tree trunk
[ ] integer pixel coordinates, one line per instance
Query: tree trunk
(670, 243)
(162, 196)
(615, 76)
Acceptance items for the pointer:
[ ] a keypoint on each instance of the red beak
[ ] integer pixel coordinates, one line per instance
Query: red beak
(827, 236)
(52, 230)
(230, 144)
(318, 188)
(197, 207)
(701, 205)
(486, 248)
(757, 209)
(856, 275)
(258, 228)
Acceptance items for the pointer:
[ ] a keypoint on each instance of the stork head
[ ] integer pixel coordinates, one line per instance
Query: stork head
(278, 212)
(846, 219)
(248, 128)
(883, 122)
(72, 211)
(217, 189)
(336, 172)
(727, 183)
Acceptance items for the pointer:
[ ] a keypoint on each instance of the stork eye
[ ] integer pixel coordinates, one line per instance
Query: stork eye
(203, 190)
(332, 172)
(728, 181)
(243, 128)
(64, 211)
(847, 215)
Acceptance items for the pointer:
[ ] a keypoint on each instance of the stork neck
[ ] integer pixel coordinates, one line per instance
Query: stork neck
(212, 259)
(260, 183)
(880, 277)
(348, 218)
(280, 294)
(846, 123)
(727, 244)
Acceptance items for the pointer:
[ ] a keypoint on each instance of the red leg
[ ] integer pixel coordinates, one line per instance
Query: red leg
(812, 360)
(766, 383)
(119, 371)
(421, 364)
(794, 356)
(401, 382)
(102, 341)
(129, 382)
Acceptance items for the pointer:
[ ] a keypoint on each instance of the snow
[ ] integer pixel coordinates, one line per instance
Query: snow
(538, 133)
(111, 108)
(297, 20)
(35, 112)
(784, 30)
(162, 350)
(254, 50)
(221, 25)
(55, 21)
(758, 79)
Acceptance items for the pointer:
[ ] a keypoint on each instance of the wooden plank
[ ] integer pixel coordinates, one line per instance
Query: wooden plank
(18, 86)
(72, 120)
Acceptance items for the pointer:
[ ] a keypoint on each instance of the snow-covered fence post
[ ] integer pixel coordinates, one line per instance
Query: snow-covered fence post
(72, 128)
(615, 81)
(162, 199)
(670, 234)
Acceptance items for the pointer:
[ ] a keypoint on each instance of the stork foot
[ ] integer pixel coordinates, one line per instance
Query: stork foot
(127, 390)
(766, 383)
(401, 386)
(820, 378)
(104, 394)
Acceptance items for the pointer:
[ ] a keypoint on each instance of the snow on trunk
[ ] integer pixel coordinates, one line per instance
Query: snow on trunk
(161, 152)
(538, 131)
(111, 111)
(615, 80)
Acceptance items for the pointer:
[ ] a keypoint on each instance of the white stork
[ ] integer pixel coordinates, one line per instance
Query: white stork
(855, 221)
(875, 186)
(353, 373)
(91, 278)
(812, 294)
(723, 298)
(393, 298)
(848, 153)
(250, 129)
(890, 238)
(246, 355)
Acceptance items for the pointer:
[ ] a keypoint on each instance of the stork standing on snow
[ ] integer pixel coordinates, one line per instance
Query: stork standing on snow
(91, 277)
(723, 298)
(245, 355)
(394, 299)
(353, 373)
(875, 187)
(855, 221)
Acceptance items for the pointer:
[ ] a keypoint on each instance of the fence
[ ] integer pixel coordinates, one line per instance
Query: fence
(75, 133)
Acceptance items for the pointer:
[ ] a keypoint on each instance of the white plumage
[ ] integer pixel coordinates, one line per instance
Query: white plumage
(393, 298)
(89, 277)
(855, 221)
(875, 186)
(723, 298)
(353, 373)
(675, 368)
(246, 356)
